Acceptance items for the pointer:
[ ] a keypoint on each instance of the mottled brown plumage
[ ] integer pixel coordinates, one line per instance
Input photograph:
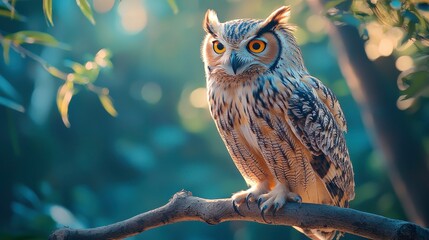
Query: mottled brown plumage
(282, 127)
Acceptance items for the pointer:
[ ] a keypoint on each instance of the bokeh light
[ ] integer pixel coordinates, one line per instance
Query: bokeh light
(404, 63)
(164, 133)
(90, 65)
(301, 36)
(63, 216)
(372, 50)
(133, 16)
(193, 115)
(382, 41)
(385, 47)
(404, 103)
(316, 23)
(151, 92)
(103, 6)
(198, 98)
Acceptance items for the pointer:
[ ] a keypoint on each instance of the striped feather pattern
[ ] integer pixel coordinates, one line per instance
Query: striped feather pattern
(279, 124)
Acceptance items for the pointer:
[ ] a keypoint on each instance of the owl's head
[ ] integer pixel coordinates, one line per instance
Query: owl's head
(244, 48)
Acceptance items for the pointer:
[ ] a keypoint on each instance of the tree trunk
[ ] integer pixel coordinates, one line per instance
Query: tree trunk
(376, 92)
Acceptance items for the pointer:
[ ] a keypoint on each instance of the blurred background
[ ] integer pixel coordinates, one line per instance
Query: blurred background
(105, 169)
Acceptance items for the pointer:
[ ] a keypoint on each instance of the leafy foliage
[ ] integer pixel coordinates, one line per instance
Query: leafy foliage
(104, 170)
(82, 75)
(10, 96)
(10, 13)
(47, 9)
(85, 76)
(86, 9)
(410, 20)
(173, 6)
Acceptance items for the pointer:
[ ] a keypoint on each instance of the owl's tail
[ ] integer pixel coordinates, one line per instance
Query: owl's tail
(318, 234)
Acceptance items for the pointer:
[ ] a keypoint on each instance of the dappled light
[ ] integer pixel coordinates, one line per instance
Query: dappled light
(104, 110)
(316, 24)
(133, 16)
(103, 6)
(151, 92)
(63, 216)
(404, 63)
(198, 98)
(193, 110)
(382, 41)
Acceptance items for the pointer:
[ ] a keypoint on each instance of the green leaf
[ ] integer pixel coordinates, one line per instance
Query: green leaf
(173, 6)
(102, 58)
(333, 3)
(6, 47)
(11, 104)
(411, 16)
(417, 83)
(106, 101)
(7, 88)
(351, 20)
(423, 6)
(64, 96)
(33, 37)
(13, 2)
(77, 67)
(10, 14)
(78, 78)
(86, 10)
(410, 33)
(55, 72)
(47, 9)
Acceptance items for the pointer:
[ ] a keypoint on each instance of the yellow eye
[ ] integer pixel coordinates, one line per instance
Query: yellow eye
(256, 46)
(218, 47)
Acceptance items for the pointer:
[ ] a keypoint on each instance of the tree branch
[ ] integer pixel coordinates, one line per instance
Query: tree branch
(185, 207)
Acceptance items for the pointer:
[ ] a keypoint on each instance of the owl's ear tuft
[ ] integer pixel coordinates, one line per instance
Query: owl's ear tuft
(211, 22)
(279, 18)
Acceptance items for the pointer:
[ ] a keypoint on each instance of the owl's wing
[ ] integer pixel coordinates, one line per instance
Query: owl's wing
(328, 97)
(317, 120)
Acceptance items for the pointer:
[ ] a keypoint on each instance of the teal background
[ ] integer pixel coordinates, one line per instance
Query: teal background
(105, 169)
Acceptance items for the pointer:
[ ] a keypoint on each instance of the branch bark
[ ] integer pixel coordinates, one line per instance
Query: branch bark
(185, 207)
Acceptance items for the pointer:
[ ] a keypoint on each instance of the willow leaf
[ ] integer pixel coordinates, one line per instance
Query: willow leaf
(106, 101)
(6, 47)
(47, 9)
(34, 37)
(64, 96)
(86, 10)
(11, 104)
(173, 6)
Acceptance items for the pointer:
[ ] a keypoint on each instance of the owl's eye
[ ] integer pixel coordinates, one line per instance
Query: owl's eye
(218, 47)
(256, 46)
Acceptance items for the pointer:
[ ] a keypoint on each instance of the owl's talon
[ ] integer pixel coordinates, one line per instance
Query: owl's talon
(276, 208)
(263, 214)
(250, 194)
(235, 207)
(259, 203)
(298, 199)
(248, 197)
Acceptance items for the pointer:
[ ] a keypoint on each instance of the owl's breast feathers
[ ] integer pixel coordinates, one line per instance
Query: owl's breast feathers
(285, 127)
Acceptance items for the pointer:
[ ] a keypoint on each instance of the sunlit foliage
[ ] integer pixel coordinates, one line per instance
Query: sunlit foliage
(84, 75)
(107, 169)
(398, 28)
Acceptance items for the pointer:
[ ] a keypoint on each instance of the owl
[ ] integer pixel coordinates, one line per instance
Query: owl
(283, 128)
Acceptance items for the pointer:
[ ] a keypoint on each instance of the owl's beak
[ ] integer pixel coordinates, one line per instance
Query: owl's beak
(235, 62)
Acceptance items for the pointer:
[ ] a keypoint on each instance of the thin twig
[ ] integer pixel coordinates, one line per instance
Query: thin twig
(185, 207)
(26, 53)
